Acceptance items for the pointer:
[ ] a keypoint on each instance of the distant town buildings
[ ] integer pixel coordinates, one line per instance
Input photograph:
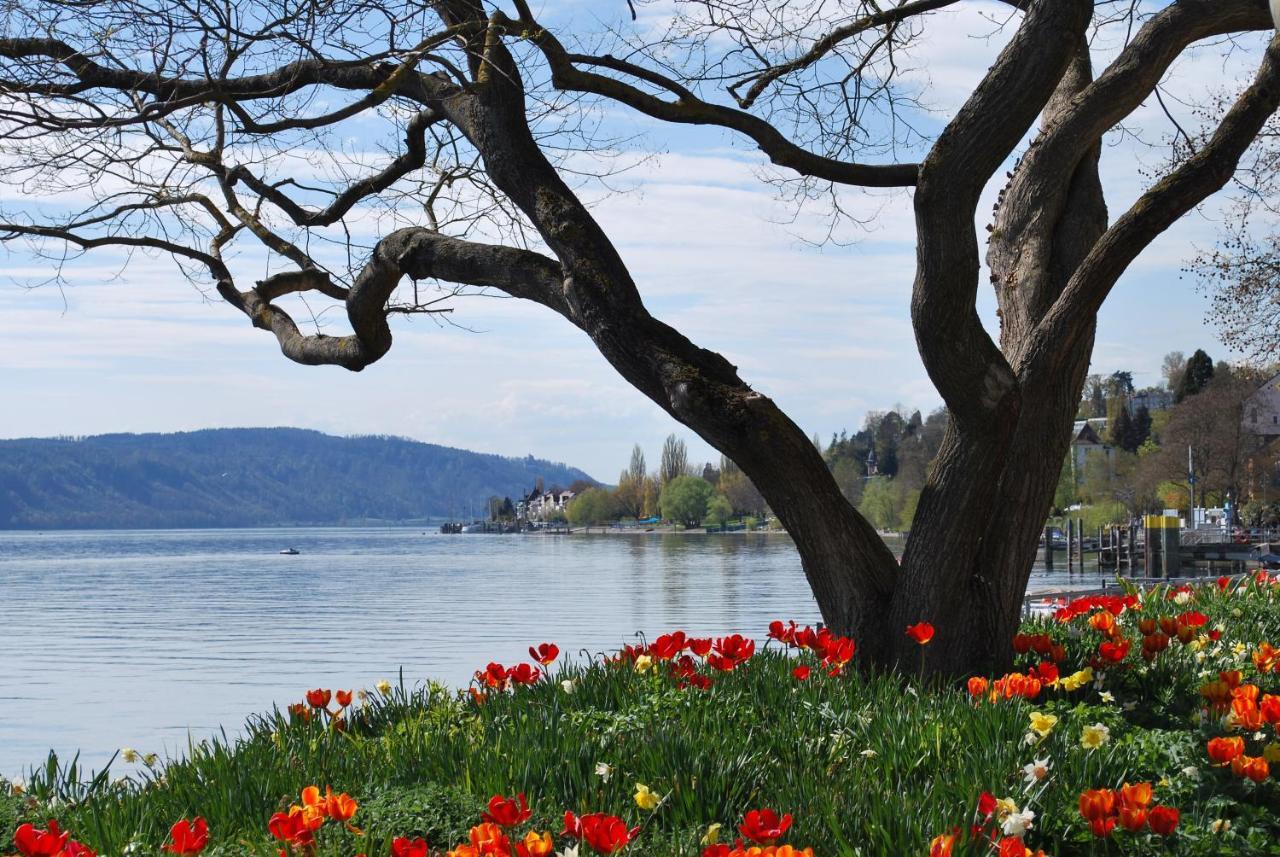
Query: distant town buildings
(1152, 398)
(1087, 443)
(539, 505)
(1262, 410)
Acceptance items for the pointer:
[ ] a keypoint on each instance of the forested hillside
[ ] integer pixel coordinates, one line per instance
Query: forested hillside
(250, 477)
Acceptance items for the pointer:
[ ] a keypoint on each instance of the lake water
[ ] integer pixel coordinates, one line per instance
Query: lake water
(139, 639)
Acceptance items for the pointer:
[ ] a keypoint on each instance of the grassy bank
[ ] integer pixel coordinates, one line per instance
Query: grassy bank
(867, 766)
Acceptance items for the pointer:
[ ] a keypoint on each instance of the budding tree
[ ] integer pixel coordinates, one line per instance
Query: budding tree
(194, 129)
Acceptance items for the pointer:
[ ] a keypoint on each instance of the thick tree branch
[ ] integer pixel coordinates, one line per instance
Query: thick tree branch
(1190, 184)
(1034, 199)
(965, 365)
(413, 252)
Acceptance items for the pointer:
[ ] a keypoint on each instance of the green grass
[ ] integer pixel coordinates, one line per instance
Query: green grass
(868, 766)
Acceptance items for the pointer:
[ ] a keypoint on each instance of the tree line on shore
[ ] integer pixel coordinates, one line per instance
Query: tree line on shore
(882, 467)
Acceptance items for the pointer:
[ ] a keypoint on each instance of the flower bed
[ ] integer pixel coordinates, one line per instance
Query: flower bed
(1143, 723)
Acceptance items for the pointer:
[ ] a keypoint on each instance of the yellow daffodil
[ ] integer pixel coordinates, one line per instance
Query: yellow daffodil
(129, 755)
(1042, 724)
(1271, 753)
(712, 836)
(645, 799)
(384, 687)
(643, 663)
(1094, 736)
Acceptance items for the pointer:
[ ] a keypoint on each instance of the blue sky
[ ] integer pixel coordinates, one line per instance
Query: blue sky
(134, 347)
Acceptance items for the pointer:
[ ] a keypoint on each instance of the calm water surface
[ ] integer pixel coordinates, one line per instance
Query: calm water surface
(141, 639)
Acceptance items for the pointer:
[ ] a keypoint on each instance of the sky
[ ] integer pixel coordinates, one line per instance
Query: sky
(130, 345)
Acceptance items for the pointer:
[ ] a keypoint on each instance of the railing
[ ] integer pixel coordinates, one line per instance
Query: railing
(1043, 599)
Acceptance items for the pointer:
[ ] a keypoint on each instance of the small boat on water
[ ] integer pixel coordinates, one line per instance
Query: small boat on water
(290, 552)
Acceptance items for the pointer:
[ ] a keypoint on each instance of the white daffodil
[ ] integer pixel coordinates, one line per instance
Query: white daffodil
(603, 771)
(1017, 823)
(1034, 772)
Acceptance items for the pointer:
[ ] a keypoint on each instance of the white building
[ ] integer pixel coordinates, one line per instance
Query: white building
(1086, 443)
(1262, 410)
(540, 505)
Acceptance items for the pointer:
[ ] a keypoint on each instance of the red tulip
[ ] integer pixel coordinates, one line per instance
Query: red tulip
(731, 651)
(783, 633)
(404, 847)
(188, 838)
(605, 834)
(545, 653)
(921, 632)
(1193, 619)
(1163, 820)
(494, 675)
(318, 698)
(1102, 827)
(801, 672)
(525, 674)
(668, 646)
(1114, 652)
(77, 849)
(763, 826)
(343, 697)
(33, 842)
(700, 646)
(507, 812)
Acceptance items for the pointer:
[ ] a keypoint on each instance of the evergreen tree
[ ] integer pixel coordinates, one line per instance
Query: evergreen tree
(1195, 377)
(1121, 430)
(1141, 427)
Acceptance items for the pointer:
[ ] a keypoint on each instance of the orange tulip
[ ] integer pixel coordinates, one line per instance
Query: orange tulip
(1245, 691)
(942, 845)
(978, 686)
(343, 697)
(1224, 750)
(535, 845)
(318, 698)
(488, 838)
(341, 807)
(1097, 804)
(1103, 621)
(1245, 713)
(1136, 796)
(1133, 819)
(1253, 767)
(1217, 694)
(1270, 709)
(1266, 658)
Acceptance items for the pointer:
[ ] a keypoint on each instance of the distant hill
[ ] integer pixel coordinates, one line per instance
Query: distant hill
(250, 477)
